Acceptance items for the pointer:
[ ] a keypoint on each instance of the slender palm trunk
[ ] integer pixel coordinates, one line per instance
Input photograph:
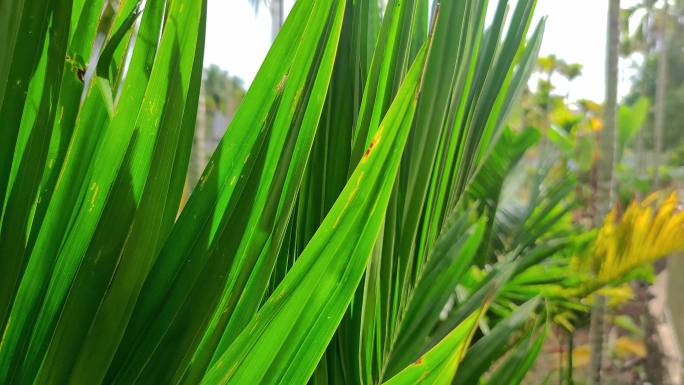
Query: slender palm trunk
(661, 90)
(640, 155)
(647, 48)
(608, 139)
(653, 366)
(277, 16)
(596, 339)
(655, 371)
(199, 147)
(606, 182)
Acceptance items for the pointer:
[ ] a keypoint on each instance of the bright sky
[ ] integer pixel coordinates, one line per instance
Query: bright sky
(238, 40)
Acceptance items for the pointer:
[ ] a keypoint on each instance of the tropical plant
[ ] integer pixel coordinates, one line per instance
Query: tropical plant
(290, 210)
(349, 228)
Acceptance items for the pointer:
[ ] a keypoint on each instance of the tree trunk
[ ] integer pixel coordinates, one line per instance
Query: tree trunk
(653, 367)
(606, 182)
(199, 147)
(640, 159)
(596, 333)
(277, 17)
(647, 49)
(661, 91)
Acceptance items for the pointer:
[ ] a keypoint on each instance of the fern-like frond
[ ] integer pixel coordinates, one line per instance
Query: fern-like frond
(646, 231)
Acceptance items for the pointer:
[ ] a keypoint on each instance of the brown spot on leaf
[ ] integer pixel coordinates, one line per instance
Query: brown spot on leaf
(80, 74)
(281, 84)
(370, 148)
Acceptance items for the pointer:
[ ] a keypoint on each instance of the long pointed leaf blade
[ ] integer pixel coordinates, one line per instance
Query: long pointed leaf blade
(317, 291)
